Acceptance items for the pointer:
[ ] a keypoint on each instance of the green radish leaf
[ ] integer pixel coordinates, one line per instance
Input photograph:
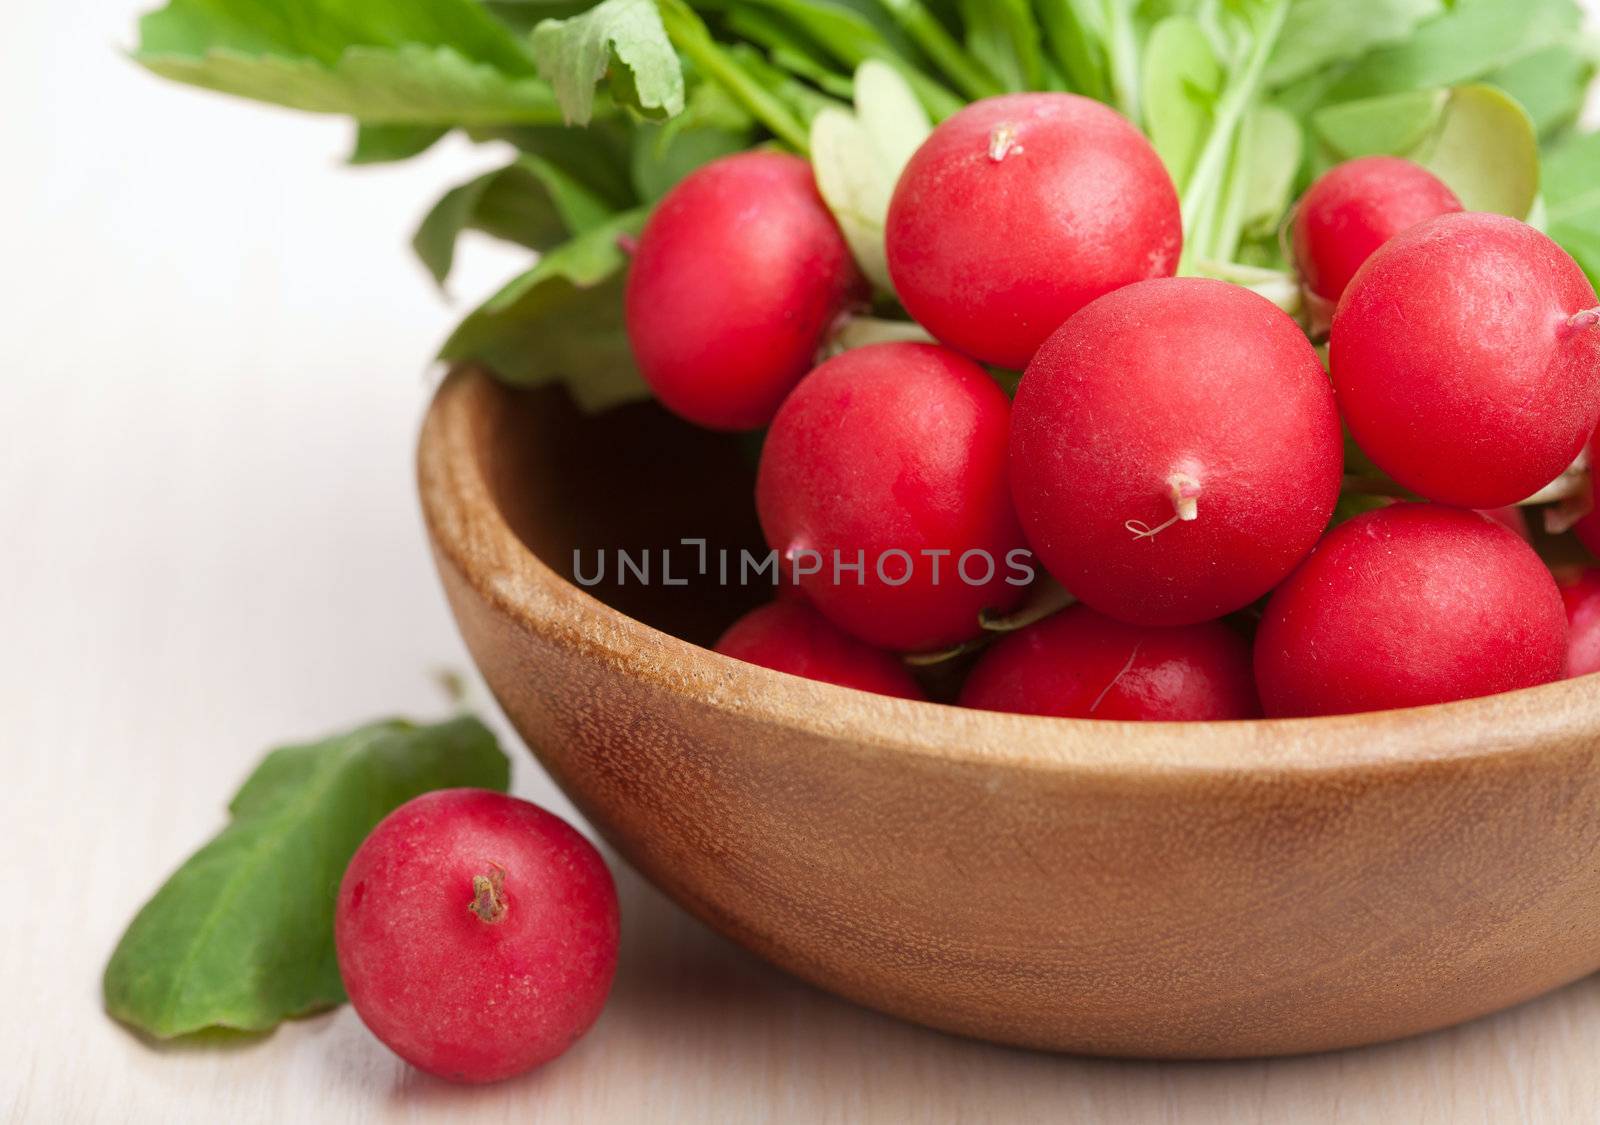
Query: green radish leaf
(1395, 124)
(561, 321)
(530, 202)
(851, 34)
(411, 84)
(1320, 33)
(1182, 81)
(1004, 37)
(857, 159)
(1275, 146)
(241, 936)
(596, 157)
(1487, 151)
(1572, 199)
(447, 62)
(1473, 38)
(661, 159)
(385, 144)
(1476, 139)
(788, 48)
(323, 31)
(622, 40)
(1072, 28)
(711, 125)
(894, 119)
(523, 16)
(851, 178)
(1551, 84)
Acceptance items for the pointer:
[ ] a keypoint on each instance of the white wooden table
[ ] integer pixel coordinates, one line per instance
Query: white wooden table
(209, 545)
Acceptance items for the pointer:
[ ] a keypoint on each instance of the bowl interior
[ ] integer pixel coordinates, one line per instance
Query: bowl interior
(575, 487)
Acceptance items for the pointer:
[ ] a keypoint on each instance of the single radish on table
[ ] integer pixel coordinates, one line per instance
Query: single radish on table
(476, 934)
(790, 636)
(738, 278)
(1466, 359)
(1175, 451)
(1356, 207)
(883, 485)
(1019, 210)
(1081, 664)
(1409, 605)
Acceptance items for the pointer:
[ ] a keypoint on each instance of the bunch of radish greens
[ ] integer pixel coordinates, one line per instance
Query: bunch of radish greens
(1072, 261)
(1245, 101)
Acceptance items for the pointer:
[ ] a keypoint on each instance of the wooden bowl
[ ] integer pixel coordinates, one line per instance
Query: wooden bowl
(1160, 890)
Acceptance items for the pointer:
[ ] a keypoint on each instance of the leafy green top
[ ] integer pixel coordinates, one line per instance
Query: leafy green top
(1245, 100)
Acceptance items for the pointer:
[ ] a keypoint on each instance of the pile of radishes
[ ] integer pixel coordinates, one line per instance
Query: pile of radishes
(1173, 455)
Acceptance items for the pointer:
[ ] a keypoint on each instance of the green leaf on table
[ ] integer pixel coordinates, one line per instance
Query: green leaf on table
(1182, 81)
(1572, 199)
(241, 936)
(530, 202)
(385, 144)
(447, 62)
(620, 40)
(1476, 138)
(561, 321)
(857, 159)
(1320, 33)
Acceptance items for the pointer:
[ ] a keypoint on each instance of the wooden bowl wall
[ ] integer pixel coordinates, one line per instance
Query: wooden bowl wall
(1157, 890)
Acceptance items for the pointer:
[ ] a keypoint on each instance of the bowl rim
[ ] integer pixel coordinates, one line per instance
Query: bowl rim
(468, 530)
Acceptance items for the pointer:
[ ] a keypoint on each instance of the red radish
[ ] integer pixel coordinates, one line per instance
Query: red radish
(1466, 358)
(739, 276)
(1079, 664)
(476, 934)
(1019, 210)
(1409, 605)
(790, 636)
(1175, 451)
(1580, 592)
(1356, 207)
(883, 484)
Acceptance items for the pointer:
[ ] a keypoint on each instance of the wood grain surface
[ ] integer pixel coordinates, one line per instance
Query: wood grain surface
(209, 544)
